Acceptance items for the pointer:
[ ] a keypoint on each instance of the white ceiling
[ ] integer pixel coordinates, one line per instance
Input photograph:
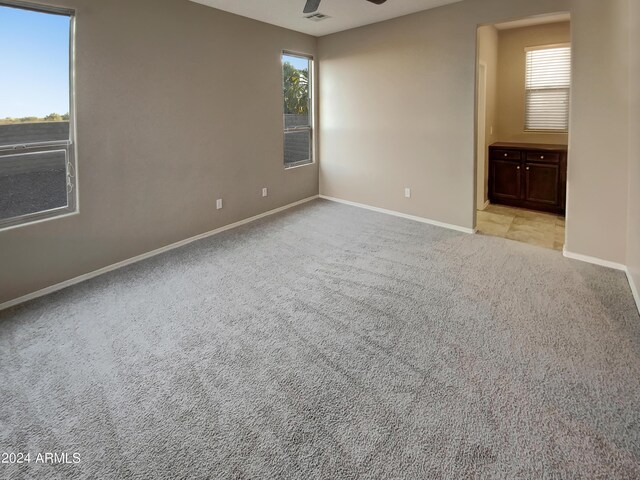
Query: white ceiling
(345, 14)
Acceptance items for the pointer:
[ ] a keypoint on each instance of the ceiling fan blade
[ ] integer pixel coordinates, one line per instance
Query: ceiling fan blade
(311, 6)
(377, 2)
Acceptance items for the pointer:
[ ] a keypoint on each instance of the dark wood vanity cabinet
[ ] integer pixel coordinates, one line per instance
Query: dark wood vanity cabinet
(528, 175)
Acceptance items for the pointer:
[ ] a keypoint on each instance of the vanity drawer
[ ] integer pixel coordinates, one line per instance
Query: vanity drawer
(553, 157)
(505, 154)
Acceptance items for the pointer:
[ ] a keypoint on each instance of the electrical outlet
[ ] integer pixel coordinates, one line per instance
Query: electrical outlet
(265, 192)
(219, 204)
(407, 193)
(491, 130)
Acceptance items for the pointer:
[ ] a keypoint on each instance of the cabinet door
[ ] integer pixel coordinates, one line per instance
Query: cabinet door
(506, 179)
(542, 183)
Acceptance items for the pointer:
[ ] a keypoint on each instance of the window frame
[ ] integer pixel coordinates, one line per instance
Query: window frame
(312, 119)
(68, 146)
(526, 90)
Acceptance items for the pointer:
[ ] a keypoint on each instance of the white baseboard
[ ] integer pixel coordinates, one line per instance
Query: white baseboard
(605, 263)
(115, 266)
(634, 288)
(594, 260)
(401, 215)
(144, 256)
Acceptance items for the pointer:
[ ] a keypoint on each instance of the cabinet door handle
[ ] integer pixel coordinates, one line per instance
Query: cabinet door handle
(506, 154)
(527, 168)
(518, 167)
(541, 157)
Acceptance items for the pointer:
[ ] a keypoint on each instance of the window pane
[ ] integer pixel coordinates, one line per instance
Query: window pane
(35, 137)
(548, 109)
(296, 82)
(548, 81)
(549, 68)
(32, 182)
(35, 89)
(25, 133)
(297, 147)
(293, 120)
(295, 72)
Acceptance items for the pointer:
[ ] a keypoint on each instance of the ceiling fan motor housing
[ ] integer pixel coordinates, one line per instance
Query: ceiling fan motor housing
(313, 5)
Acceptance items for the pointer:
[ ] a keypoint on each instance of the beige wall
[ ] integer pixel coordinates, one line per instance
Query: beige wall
(633, 239)
(168, 94)
(598, 145)
(397, 109)
(511, 86)
(488, 55)
(167, 91)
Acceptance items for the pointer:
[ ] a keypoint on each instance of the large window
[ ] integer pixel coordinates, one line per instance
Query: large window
(548, 83)
(298, 109)
(37, 166)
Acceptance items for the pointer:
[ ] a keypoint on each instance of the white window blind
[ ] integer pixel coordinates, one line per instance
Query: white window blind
(548, 83)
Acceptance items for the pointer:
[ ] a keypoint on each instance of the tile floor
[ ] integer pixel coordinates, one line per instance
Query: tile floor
(536, 228)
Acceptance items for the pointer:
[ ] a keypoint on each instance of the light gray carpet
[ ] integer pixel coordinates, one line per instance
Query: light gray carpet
(330, 342)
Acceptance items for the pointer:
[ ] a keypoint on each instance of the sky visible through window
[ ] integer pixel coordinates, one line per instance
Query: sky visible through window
(297, 62)
(34, 54)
